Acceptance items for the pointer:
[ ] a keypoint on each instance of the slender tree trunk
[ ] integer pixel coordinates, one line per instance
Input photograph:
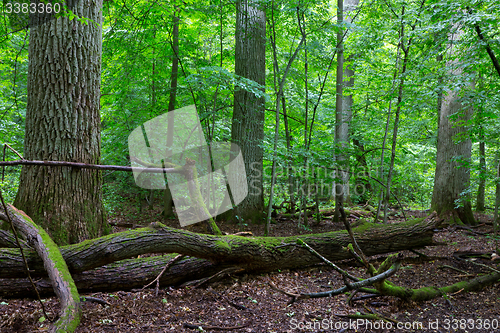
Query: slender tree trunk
(279, 84)
(395, 128)
(452, 176)
(341, 126)
(63, 124)
(482, 171)
(167, 197)
(389, 113)
(291, 178)
(304, 184)
(496, 218)
(248, 114)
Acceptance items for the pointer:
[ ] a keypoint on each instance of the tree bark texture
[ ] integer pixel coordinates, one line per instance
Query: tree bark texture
(123, 275)
(249, 253)
(341, 125)
(63, 123)
(343, 105)
(452, 175)
(248, 114)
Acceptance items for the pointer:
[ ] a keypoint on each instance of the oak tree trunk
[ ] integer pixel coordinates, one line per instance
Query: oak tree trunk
(248, 114)
(63, 124)
(452, 176)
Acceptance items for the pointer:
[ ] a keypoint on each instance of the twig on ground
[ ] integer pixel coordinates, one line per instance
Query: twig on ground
(328, 262)
(419, 253)
(209, 327)
(157, 280)
(230, 270)
(93, 300)
(456, 269)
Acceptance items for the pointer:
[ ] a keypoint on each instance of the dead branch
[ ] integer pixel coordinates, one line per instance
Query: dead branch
(91, 166)
(157, 280)
(352, 286)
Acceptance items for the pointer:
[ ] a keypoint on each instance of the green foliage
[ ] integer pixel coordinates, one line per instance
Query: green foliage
(136, 74)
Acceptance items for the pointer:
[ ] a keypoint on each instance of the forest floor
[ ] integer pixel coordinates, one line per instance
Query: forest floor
(246, 303)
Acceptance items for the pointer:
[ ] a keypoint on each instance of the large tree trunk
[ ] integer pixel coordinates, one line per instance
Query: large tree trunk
(63, 124)
(452, 175)
(343, 108)
(248, 114)
(341, 126)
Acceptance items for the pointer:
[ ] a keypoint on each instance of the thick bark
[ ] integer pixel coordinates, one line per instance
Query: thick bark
(63, 123)
(248, 114)
(250, 253)
(61, 280)
(8, 240)
(122, 275)
(452, 176)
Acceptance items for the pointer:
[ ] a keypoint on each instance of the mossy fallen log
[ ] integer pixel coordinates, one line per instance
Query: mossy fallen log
(427, 293)
(251, 253)
(60, 278)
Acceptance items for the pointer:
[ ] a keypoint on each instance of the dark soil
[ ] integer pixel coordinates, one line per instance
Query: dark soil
(246, 303)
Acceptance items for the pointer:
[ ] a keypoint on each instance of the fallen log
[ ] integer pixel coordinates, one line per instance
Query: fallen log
(123, 275)
(7, 239)
(60, 278)
(250, 253)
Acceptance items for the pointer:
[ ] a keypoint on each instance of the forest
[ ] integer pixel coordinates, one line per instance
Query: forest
(249, 166)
